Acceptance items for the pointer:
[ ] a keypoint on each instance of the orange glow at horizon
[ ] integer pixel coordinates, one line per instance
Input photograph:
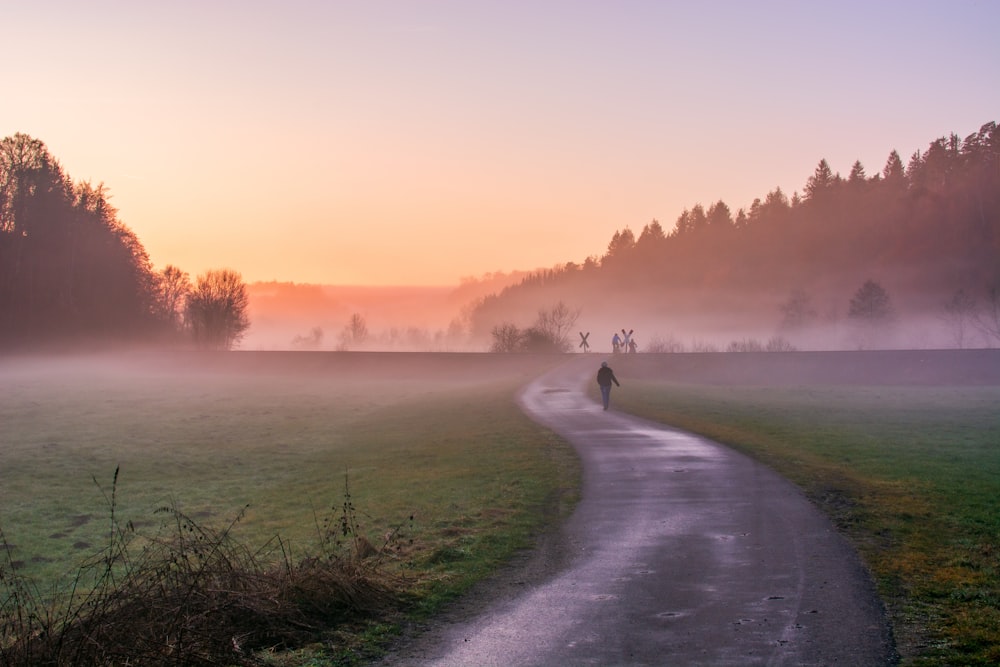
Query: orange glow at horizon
(416, 143)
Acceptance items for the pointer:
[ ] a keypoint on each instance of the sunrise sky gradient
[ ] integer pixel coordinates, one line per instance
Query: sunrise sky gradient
(407, 142)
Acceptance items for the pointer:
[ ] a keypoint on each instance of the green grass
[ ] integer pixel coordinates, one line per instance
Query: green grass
(422, 440)
(910, 474)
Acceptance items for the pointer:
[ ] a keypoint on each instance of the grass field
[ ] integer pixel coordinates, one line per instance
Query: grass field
(434, 437)
(901, 450)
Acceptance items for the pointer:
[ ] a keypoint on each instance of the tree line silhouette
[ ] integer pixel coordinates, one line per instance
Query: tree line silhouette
(70, 271)
(931, 228)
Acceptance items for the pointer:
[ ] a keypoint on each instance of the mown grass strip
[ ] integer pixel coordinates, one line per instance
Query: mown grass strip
(910, 474)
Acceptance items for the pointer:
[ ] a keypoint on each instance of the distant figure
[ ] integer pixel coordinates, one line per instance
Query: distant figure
(616, 343)
(632, 345)
(605, 376)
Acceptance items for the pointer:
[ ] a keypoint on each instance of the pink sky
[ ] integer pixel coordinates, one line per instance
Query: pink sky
(410, 142)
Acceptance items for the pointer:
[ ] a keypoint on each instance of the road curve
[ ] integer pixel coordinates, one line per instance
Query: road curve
(681, 552)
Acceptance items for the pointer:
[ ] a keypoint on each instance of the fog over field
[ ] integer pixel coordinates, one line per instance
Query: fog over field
(290, 316)
(438, 319)
(272, 437)
(214, 431)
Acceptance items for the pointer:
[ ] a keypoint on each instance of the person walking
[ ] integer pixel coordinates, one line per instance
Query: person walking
(616, 343)
(605, 376)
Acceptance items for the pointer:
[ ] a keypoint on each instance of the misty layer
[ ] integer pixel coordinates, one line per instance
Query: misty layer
(902, 258)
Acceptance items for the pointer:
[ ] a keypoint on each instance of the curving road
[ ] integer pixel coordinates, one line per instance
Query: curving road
(680, 552)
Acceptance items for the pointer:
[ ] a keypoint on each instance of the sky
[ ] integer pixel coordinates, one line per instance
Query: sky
(401, 142)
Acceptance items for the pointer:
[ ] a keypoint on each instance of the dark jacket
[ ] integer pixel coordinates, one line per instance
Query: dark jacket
(605, 376)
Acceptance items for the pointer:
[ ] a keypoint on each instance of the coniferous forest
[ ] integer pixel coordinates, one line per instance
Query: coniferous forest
(927, 232)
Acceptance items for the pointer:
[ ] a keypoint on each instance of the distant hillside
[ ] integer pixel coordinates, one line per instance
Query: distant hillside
(927, 232)
(287, 315)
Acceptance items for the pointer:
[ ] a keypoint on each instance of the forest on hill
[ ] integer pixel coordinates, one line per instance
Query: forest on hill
(72, 274)
(68, 266)
(927, 233)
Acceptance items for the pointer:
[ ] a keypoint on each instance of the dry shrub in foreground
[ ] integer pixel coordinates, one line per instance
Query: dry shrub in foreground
(194, 597)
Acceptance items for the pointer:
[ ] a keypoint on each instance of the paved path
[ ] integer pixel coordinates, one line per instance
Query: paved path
(681, 552)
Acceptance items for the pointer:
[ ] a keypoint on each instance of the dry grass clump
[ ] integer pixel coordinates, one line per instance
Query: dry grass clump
(194, 596)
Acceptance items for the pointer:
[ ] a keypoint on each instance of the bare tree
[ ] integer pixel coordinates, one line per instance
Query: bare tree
(312, 341)
(550, 333)
(871, 303)
(987, 319)
(174, 287)
(355, 332)
(216, 310)
(506, 338)
(960, 314)
(557, 324)
(797, 312)
(872, 312)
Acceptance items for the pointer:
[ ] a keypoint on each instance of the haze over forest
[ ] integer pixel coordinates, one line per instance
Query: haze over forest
(925, 231)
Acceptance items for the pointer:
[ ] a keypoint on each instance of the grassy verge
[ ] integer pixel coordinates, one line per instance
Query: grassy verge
(430, 443)
(911, 474)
